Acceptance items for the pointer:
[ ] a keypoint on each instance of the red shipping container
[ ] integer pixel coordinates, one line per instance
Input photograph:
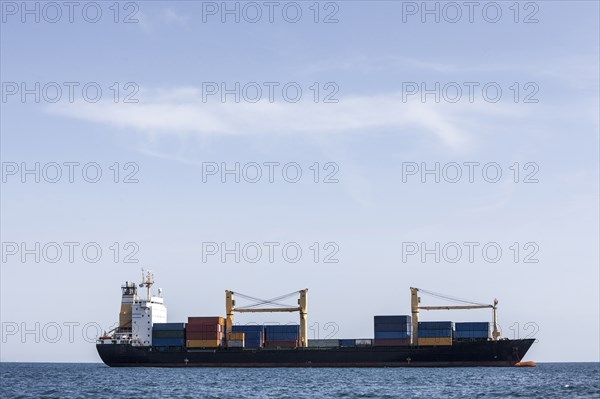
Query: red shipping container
(206, 320)
(204, 335)
(391, 342)
(204, 328)
(281, 344)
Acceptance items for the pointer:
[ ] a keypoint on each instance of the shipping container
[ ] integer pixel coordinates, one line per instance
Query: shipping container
(281, 344)
(391, 342)
(282, 333)
(323, 343)
(236, 336)
(363, 342)
(206, 320)
(168, 326)
(471, 334)
(247, 327)
(283, 328)
(393, 327)
(254, 335)
(435, 333)
(203, 343)
(391, 335)
(347, 343)
(205, 335)
(204, 328)
(435, 341)
(168, 342)
(435, 325)
(168, 334)
(402, 319)
(282, 337)
(235, 344)
(472, 326)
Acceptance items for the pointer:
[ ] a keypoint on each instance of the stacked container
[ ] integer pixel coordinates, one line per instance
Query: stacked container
(472, 331)
(392, 330)
(435, 333)
(168, 334)
(323, 343)
(205, 332)
(235, 340)
(286, 336)
(347, 343)
(253, 335)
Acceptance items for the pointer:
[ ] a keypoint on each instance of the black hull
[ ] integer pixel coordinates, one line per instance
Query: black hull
(503, 353)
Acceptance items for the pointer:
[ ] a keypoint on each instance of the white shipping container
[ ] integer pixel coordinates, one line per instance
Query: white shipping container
(235, 344)
(323, 343)
(364, 342)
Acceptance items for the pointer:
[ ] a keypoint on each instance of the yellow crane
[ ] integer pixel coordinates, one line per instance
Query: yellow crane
(302, 308)
(415, 301)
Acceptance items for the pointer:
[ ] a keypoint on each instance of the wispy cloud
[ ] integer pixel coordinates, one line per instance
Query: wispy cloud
(181, 111)
(150, 21)
(577, 71)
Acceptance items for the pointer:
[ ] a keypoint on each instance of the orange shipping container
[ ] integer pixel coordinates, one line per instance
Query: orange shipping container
(236, 336)
(203, 343)
(445, 341)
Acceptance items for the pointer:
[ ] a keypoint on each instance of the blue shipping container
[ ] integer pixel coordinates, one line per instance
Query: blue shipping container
(168, 342)
(435, 325)
(253, 338)
(347, 343)
(282, 337)
(476, 326)
(169, 326)
(392, 319)
(471, 334)
(248, 328)
(253, 335)
(283, 328)
(282, 333)
(435, 333)
(393, 327)
(391, 335)
(168, 333)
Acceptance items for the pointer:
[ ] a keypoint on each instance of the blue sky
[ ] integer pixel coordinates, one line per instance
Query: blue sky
(371, 59)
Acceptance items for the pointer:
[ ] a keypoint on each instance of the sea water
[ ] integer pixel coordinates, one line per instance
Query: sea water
(60, 380)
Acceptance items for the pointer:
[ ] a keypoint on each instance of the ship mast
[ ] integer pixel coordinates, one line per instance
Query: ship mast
(147, 281)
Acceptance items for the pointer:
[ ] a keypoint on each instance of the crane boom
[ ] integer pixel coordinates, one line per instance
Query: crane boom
(456, 307)
(415, 300)
(265, 310)
(302, 309)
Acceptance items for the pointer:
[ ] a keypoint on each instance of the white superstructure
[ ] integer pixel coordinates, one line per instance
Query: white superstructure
(144, 314)
(137, 315)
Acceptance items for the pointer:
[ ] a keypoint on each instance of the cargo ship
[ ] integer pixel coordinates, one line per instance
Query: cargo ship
(144, 338)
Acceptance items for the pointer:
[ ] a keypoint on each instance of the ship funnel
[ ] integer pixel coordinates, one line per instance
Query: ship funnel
(129, 291)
